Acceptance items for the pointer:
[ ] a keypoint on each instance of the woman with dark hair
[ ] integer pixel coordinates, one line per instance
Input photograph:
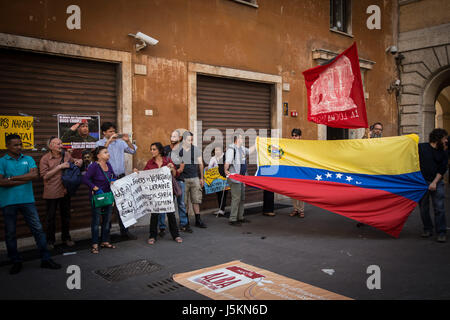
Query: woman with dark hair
(299, 206)
(217, 160)
(99, 177)
(158, 161)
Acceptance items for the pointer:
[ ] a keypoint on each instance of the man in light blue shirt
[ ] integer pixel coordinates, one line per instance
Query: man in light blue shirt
(16, 194)
(117, 146)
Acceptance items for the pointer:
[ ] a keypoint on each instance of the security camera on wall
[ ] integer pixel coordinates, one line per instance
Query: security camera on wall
(392, 49)
(144, 40)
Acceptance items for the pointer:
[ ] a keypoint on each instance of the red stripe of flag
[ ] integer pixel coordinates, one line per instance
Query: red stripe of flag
(383, 210)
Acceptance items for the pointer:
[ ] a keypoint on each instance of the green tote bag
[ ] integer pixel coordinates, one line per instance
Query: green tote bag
(103, 199)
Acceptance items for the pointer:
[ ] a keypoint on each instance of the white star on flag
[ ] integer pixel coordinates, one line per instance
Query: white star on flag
(349, 178)
(329, 175)
(338, 175)
(318, 177)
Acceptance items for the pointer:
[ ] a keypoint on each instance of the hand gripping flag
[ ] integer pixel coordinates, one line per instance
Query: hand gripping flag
(335, 92)
(374, 181)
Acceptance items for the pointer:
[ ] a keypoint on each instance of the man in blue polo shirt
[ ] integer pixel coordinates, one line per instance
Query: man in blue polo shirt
(16, 194)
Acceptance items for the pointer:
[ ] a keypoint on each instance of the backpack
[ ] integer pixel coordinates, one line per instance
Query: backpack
(71, 177)
(222, 165)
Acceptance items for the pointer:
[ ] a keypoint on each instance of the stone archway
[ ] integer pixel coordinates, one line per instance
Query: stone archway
(425, 71)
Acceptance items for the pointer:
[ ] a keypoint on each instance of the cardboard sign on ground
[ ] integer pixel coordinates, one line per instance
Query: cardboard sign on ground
(239, 281)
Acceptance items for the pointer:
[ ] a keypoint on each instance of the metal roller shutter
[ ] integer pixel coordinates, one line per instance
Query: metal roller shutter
(43, 86)
(233, 104)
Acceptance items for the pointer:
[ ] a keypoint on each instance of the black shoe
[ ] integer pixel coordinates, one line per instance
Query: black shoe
(50, 264)
(244, 220)
(128, 235)
(235, 223)
(162, 233)
(16, 268)
(186, 228)
(50, 246)
(200, 224)
(359, 224)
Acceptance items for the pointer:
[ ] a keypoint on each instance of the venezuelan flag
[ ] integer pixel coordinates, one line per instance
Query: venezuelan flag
(374, 181)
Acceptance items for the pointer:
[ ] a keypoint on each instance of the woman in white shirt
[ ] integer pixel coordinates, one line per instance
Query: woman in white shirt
(215, 161)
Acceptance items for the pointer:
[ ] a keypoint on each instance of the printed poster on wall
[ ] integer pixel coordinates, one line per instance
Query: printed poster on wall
(142, 193)
(79, 131)
(22, 126)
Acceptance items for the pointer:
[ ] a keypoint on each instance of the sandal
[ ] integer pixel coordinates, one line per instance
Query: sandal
(107, 245)
(178, 240)
(94, 249)
(294, 213)
(151, 241)
(301, 214)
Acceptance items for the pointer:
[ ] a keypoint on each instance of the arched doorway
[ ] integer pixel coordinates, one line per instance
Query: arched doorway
(442, 104)
(436, 103)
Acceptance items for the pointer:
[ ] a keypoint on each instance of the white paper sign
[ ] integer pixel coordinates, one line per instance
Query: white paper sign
(142, 193)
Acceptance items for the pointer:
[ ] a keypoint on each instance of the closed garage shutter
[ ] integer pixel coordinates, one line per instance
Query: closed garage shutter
(43, 86)
(233, 104)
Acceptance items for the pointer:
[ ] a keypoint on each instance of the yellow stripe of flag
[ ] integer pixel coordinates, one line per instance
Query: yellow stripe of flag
(381, 156)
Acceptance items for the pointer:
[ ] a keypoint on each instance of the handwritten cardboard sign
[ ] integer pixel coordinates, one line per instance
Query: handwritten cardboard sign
(142, 193)
(22, 126)
(214, 182)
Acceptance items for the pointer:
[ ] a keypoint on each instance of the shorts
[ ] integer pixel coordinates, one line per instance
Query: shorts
(193, 191)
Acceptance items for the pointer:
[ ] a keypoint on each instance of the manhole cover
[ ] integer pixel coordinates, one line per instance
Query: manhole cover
(165, 286)
(128, 270)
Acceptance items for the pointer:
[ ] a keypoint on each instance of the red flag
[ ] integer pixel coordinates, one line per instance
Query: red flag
(335, 92)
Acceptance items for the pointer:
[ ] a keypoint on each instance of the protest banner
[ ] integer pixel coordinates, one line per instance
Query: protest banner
(335, 92)
(239, 281)
(79, 131)
(142, 193)
(214, 182)
(22, 126)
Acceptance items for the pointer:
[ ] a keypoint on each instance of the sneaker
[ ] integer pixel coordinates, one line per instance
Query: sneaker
(235, 223)
(186, 228)
(442, 238)
(69, 243)
(219, 213)
(269, 214)
(50, 264)
(426, 234)
(16, 268)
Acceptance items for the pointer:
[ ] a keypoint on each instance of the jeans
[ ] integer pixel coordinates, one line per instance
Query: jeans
(181, 210)
(123, 230)
(64, 210)
(172, 225)
(31, 216)
(103, 213)
(438, 199)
